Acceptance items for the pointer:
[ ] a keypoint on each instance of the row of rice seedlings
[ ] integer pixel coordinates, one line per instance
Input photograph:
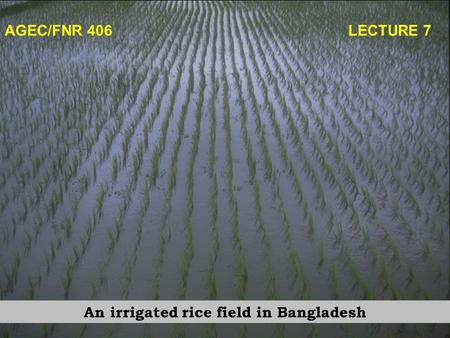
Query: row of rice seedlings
(27, 242)
(50, 253)
(73, 170)
(397, 216)
(368, 247)
(296, 266)
(164, 232)
(130, 263)
(67, 224)
(55, 200)
(137, 163)
(240, 268)
(251, 165)
(79, 249)
(11, 172)
(391, 246)
(106, 145)
(319, 124)
(99, 202)
(259, 129)
(69, 171)
(114, 233)
(160, 145)
(135, 88)
(321, 251)
(334, 288)
(412, 202)
(188, 251)
(387, 283)
(35, 165)
(366, 169)
(118, 225)
(115, 167)
(30, 286)
(213, 194)
(291, 171)
(130, 130)
(67, 276)
(112, 236)
(354, 273)
(367, 203)
(7, 285)
(149, 123)
(280, 141)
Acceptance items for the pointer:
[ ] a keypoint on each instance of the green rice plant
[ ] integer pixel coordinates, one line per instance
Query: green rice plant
(137, 163)
(115, 167)
(48, 260)
(321, 255)
(127, 277)
(66, 278)
(94, 171)
(10, 274)
(126, 143)
(310, 223)
(68, 227)
(367, 294)
(425, 250)
(338, 235)
(27, 242)
(411, 275)
(388, 286)
(30, 289)
(75, 203)
(241, 275)
(86, 235)
(76, 254)
(333, 281)
(395, 251)
(99, 201)
(14, 226)
(368, 203)
(210, 331)
(423, 293)
(156, 154)
(36, 165)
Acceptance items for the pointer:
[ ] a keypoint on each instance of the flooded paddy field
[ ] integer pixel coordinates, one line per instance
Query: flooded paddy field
(217, 150)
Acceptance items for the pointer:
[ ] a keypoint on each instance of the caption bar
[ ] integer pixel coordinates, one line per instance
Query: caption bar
(224, 311)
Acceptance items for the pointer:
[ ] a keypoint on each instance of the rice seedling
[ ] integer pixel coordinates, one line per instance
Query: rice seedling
(30, 289)
(27, 242)
(66, 278)
(10, 275)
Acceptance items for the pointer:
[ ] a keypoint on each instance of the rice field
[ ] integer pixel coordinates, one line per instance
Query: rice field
(225, 150)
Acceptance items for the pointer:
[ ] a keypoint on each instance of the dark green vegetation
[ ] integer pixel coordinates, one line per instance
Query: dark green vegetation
(224, 151)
